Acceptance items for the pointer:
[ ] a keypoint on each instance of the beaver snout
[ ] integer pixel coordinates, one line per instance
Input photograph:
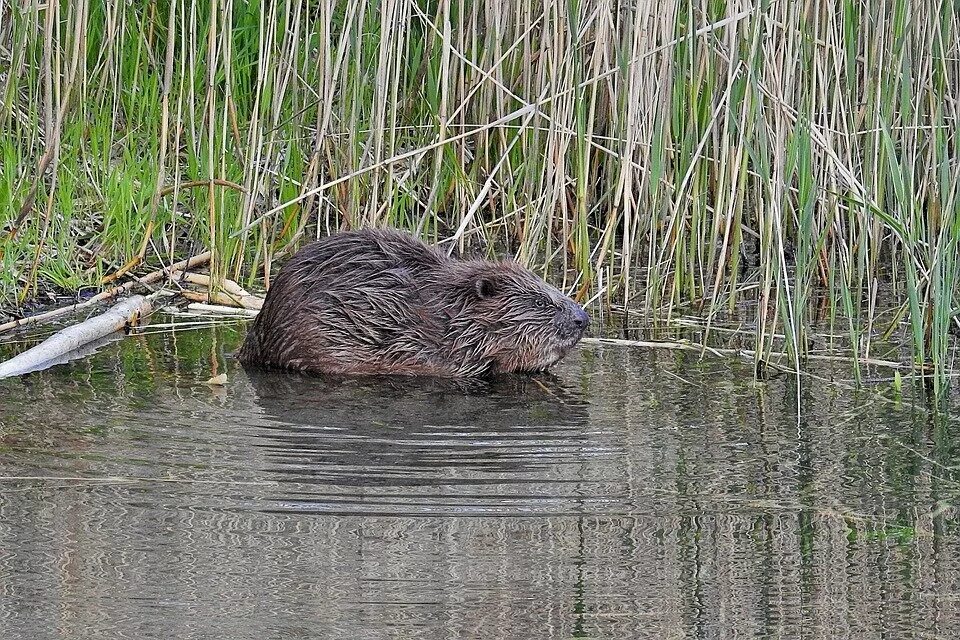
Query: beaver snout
(580, 318)
(572, 321)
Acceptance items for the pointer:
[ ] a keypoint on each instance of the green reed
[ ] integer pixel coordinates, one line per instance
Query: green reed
(800, 158)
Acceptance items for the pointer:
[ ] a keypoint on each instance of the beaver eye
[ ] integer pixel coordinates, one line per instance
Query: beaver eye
(540, 303)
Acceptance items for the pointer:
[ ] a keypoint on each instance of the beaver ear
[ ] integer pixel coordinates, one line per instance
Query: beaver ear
(485, 287)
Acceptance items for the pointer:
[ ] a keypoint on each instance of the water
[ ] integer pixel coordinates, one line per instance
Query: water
(632, 494)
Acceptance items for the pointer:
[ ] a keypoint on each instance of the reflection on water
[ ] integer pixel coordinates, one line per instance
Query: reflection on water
(630, 495)
(425, 447)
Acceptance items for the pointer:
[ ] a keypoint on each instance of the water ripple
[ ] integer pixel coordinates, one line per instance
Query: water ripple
(612, 500)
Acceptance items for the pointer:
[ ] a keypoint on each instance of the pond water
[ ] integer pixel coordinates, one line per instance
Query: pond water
(631, 494)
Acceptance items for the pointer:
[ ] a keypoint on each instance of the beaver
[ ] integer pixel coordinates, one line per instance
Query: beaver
(379, 301)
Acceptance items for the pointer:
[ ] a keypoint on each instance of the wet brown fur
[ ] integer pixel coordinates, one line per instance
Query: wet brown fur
(382, 302)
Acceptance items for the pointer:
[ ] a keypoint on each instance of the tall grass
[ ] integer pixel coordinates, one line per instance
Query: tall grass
(798, 157)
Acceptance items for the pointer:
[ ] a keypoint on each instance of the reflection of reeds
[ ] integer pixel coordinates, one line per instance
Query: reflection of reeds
(667, 153)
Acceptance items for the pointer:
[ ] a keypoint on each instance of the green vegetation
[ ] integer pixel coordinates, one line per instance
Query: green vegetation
(796, 157)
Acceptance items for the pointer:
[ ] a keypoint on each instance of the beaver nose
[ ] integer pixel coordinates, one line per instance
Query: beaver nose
(580, 318)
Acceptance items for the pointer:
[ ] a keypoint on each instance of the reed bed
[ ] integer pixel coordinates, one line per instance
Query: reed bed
(795, 159)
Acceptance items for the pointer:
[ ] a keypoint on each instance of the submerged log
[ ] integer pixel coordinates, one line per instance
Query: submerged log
(52, 350)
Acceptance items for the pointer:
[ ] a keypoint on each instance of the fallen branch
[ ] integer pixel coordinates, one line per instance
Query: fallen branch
(52, 350)
(160, 274)
(231, 295)
(672, 346)
(744, 353)
(203, 280)
(224, 299)
(201, 307)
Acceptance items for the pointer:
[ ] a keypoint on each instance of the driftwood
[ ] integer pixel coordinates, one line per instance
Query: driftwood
(157, 275)
(60, 346)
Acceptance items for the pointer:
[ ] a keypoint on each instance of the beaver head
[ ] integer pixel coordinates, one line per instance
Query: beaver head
(506, 319)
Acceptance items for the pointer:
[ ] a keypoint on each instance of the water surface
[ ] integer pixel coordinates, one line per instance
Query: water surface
(631, 494)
